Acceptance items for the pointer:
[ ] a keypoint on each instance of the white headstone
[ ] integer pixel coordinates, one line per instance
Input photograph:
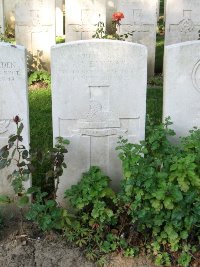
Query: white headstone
(182, 21)
(59, 17)
(82, 17)
(182, 86)
(98, 94)
(2, 26)
(13, 101)
(140, 17)
(35, 29)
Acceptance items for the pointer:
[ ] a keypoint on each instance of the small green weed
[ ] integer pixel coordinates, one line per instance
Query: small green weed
(39, 76)
(60, 39)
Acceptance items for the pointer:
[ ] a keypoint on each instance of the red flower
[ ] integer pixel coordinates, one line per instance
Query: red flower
(117, 16)
(16, 119)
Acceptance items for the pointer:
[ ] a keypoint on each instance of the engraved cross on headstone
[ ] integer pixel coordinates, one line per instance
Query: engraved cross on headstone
(135, 23)
(186, 29)
(100, 125)
(88, 24)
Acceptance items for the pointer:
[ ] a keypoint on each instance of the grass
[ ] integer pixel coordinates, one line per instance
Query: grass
(40, 118)
(40, 128)
(162, 7)
(154, 104)
(159, 54)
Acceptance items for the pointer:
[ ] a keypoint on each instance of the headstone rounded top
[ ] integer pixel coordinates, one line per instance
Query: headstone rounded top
(183, 44)
(4, 44)
(100, 41)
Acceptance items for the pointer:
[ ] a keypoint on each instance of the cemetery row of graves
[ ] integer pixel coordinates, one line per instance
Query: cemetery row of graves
(116, 179)
(91, 107)
(78, 21)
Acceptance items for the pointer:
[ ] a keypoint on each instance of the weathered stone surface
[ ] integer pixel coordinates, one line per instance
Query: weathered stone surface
(2, 24)
(82, 17)
(35, 29)
(182, 86)
(98, 94)
(141, 19)
(182, 21)
(13, 101)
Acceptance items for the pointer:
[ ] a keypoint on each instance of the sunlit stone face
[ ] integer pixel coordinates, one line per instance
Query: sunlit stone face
(140, 19)
(35, 29)
(182, 86)
(13, 101)
(182, 21)
(98, 94)
(82, 17)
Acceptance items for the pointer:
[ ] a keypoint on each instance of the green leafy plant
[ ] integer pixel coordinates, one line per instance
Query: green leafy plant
(44, 209)
(93, 202)
(16, 152)
(60, 39)
(46, 212)
(40, 76)
(92, 199)
(101, 32)
(8, 36)
(156, 80)
(99, 226)
(161, 187)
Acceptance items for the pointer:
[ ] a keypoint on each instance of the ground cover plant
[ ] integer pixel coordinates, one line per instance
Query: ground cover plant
(8, 36)
(157, 209)
(161, 190)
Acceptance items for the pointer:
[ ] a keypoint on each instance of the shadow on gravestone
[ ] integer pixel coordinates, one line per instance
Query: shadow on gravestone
(35, 62)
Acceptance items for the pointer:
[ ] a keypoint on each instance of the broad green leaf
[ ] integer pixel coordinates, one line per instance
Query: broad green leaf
(4, 199)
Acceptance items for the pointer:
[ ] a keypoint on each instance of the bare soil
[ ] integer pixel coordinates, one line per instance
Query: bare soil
(32, 248)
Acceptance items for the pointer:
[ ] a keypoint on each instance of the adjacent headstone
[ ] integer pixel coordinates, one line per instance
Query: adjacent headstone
(35, 29)
(140, 17)
(59, 18)
(182, 86)
(13, 101)
(98, 94)
(182, 21)
(2, 26)
(82, 17)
